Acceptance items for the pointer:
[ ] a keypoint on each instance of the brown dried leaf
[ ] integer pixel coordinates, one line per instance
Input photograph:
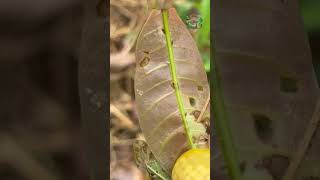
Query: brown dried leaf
(268, 85)
(157, 106)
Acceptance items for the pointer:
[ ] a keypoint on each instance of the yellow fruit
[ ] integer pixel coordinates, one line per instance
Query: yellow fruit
(192, 165)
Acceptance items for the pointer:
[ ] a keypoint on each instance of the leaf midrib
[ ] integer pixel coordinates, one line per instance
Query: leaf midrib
(174, 76)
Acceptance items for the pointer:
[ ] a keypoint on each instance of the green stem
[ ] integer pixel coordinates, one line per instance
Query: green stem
(174, 77)
(156, 173)
(222, 125)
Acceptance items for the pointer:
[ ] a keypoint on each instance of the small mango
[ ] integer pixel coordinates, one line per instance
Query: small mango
(192, 165)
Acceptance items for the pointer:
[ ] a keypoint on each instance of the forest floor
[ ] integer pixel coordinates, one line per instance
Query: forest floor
(126, 20)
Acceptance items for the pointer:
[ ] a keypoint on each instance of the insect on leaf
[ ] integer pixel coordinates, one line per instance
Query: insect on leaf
(155, 93)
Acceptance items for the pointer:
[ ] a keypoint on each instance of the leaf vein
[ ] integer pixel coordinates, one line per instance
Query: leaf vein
(156, 102)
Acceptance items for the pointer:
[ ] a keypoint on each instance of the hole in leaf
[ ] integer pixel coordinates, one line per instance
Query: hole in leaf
(200, 88)
(192, 101)
(275, 164)
(196, 113)
(288, 84)
(263, 127)
(144, 62)
(163, 31)
(243, 166)
(172, 85)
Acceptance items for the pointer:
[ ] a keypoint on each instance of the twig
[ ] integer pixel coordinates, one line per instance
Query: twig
(122, 142)
(203, 109)
(124, 120)
(302, 148)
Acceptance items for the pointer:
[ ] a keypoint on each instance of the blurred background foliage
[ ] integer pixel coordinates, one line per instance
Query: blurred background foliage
(126, 20)
(40, 124)
(40, 111)
(310, 12)
(202, 7)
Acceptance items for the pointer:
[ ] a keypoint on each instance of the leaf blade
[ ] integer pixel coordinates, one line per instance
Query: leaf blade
(162, 124)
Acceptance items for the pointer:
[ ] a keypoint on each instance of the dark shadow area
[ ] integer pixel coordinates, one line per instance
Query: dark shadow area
(40, 123)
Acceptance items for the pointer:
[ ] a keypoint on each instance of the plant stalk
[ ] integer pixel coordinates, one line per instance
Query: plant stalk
(222, 125)
(174, 77)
